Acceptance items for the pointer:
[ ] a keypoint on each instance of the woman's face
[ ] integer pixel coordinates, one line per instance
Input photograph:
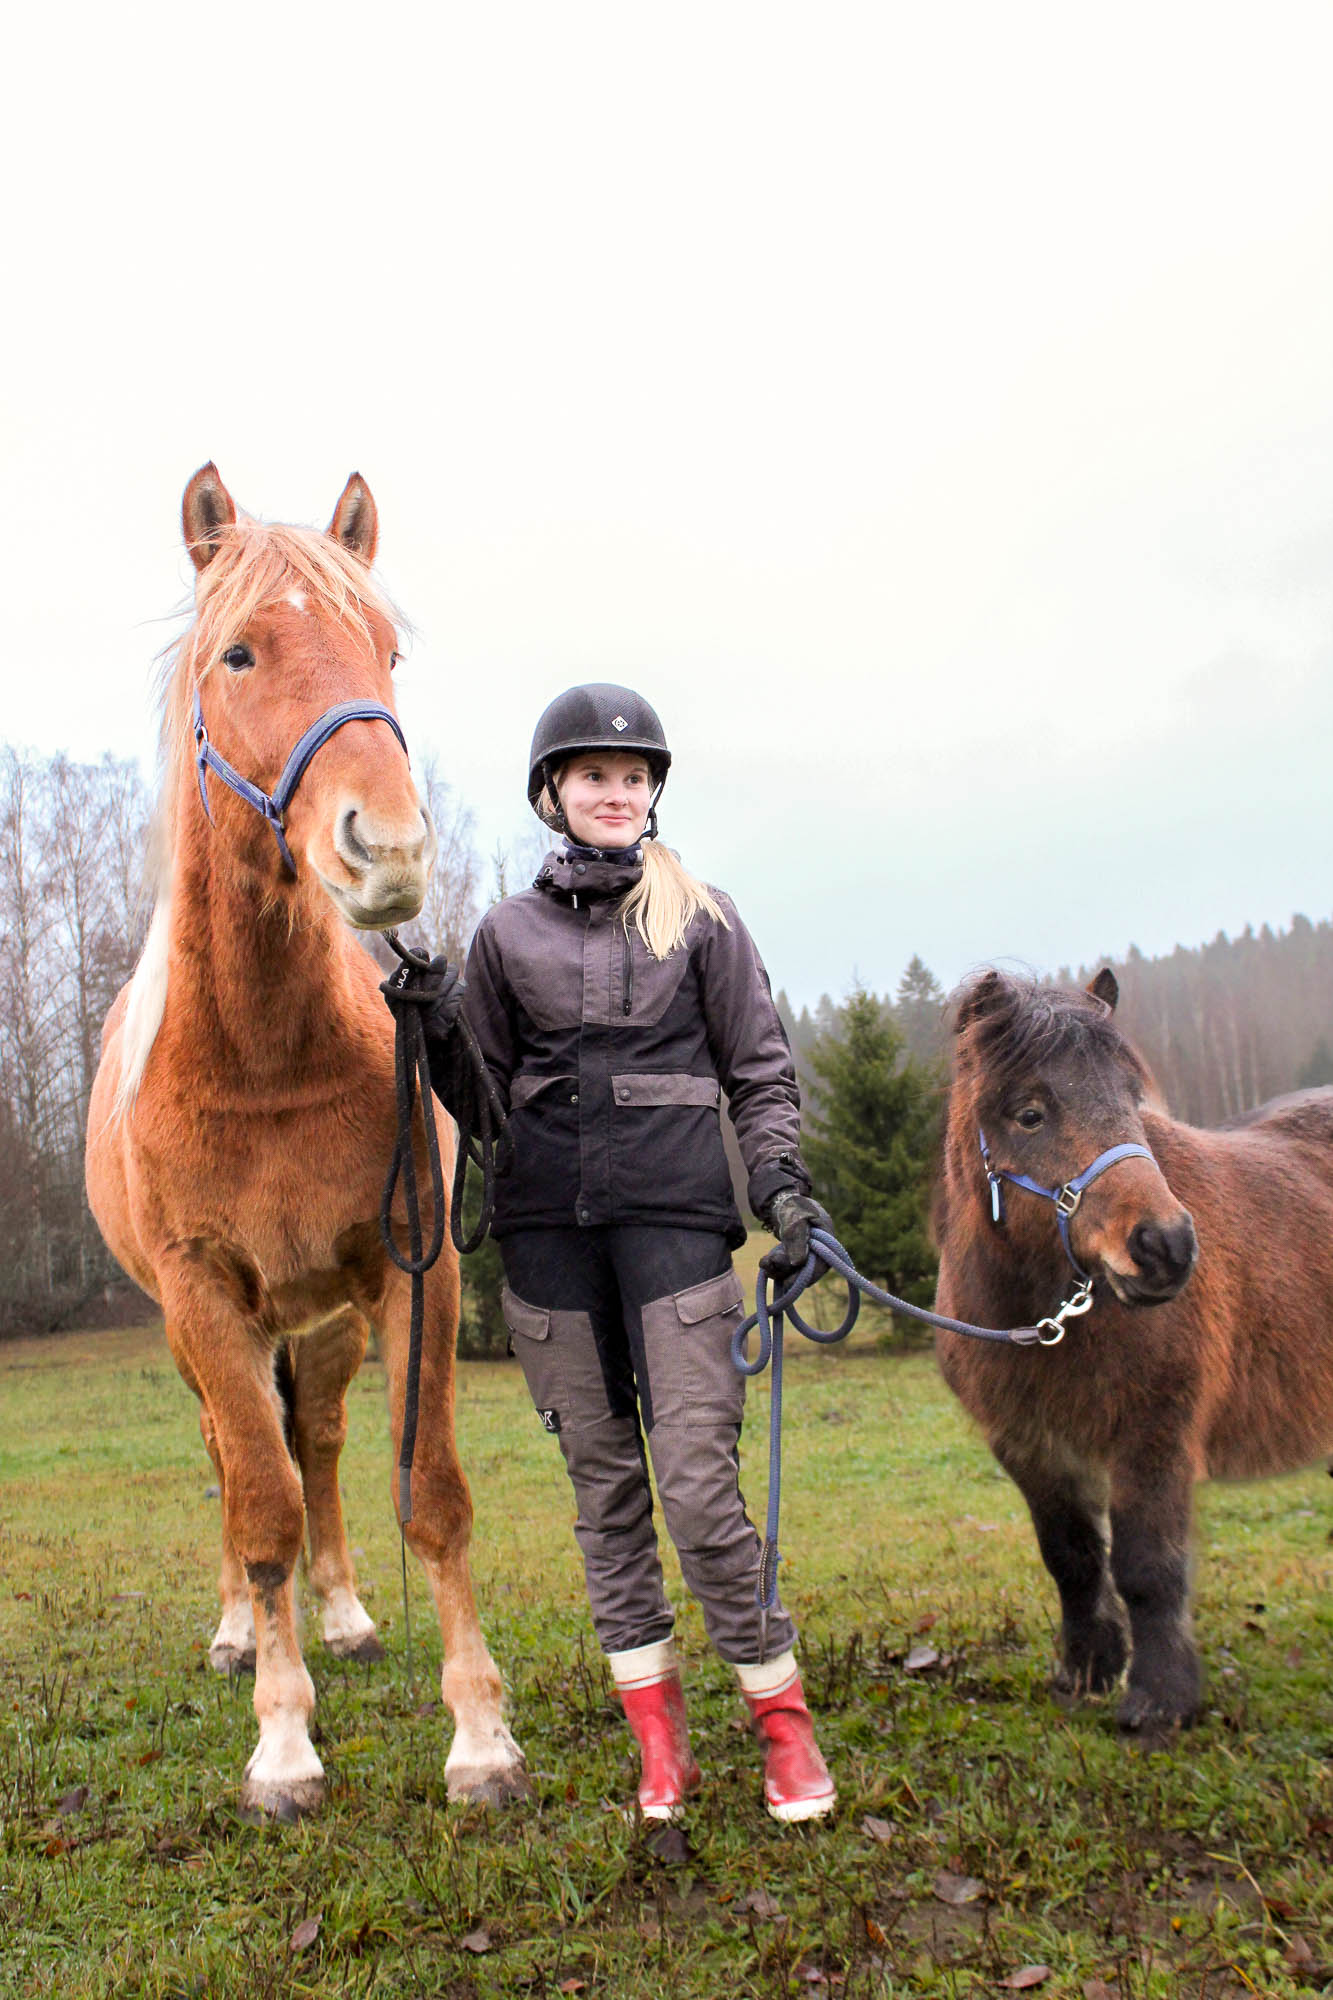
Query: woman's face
(606, 794)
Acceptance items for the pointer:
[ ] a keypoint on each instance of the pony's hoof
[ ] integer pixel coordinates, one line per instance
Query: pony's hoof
(470, 1786)
(366, 1650)
(285, 1803)
(225, 1658)
(1149, 1719)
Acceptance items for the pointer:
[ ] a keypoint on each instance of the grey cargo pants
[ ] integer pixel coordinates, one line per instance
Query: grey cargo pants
(615, 1325)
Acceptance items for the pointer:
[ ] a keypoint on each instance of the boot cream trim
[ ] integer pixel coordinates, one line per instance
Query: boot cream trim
(641, 1666)
(770, 1676)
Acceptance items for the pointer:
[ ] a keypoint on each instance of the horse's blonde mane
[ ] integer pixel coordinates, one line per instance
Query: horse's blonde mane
(256, 564)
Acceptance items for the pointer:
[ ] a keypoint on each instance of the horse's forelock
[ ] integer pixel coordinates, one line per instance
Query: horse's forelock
(1008, 1027)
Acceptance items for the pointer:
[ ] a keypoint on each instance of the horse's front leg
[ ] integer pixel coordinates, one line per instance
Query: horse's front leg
(220, 1350)
(484, 1762)
(1067, 1503)
(233, 1647)
(324, 1363)
(1151, 1501)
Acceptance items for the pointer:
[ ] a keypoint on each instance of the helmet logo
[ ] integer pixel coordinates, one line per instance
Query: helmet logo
(619, 722)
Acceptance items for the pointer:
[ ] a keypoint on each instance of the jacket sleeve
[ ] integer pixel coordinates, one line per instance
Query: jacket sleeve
(753, 1058)
(486, 1008)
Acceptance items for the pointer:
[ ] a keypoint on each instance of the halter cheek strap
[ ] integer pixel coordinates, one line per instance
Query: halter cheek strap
(1066, 1198)
(273, 806)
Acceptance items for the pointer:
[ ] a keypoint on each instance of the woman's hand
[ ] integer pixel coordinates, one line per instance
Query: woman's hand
(791, 1217)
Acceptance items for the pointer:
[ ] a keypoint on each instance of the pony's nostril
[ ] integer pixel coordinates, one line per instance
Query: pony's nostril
(1163, 1253)
(349, 842)
(1148, 1247)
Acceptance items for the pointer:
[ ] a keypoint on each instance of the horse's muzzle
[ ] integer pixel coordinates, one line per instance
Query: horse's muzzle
(1164, 1256)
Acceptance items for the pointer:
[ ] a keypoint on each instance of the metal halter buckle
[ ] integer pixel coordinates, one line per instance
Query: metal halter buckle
(1068, 1199)
(1052, 1331)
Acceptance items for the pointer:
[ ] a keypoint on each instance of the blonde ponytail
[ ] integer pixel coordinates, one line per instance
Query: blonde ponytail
(665, 901)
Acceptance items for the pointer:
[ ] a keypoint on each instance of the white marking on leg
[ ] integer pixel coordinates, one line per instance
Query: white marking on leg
(346, 1620)
(234, 1641)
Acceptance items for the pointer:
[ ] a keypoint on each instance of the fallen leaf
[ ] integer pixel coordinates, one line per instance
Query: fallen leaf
(1299, 1956)
(304, 1935)
(812, 1975)
(919, 1659)
(72, 1801)
(875, 1933)
(926, 1620)
(476, 1941)
(957, 1889)
(572, 1986)
(878, 1829)
(668, 1843)
(1025, 1976)
(1278, 1907)
(1098, 1989)
(149, 1757)
(57, 1847)
(762, 1903)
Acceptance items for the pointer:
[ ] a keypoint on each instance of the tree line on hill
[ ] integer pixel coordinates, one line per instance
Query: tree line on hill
(1223, 1027)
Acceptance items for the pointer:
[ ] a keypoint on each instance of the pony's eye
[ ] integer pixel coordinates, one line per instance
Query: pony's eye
(1030, 1117)
(238, 658)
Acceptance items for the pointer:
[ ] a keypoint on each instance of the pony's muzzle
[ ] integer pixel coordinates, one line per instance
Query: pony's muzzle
(1164, 1255)
(389, 862)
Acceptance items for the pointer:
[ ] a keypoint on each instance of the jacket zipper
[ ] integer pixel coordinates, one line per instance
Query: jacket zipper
(627, 982)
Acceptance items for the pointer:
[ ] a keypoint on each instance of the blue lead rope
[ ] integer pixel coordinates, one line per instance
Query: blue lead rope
(769, 1315)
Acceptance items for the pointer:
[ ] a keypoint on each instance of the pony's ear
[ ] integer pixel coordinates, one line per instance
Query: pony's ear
(1106, 988)
(356, 521)
(979, 997)
(206, 510)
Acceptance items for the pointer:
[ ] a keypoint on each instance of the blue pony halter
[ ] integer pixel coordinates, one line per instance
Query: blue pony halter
(1066, 1198)
(274, 805)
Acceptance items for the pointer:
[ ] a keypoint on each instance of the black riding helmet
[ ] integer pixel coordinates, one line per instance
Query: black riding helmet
(597, 716)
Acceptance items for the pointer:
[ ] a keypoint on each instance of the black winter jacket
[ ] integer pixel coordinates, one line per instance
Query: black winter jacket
(613, 1063)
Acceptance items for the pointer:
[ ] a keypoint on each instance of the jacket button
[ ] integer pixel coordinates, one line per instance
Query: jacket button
(584, 1214)
(623, 1095)
(580, 868)
(575, 1098)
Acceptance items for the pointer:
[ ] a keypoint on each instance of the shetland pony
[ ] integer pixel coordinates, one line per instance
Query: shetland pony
(1208, 1351)
(243, 1115)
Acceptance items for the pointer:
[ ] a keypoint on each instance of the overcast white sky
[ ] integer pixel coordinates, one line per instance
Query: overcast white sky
(930, 409)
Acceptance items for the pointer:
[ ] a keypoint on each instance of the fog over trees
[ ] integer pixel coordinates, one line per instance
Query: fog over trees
(1223, 1026)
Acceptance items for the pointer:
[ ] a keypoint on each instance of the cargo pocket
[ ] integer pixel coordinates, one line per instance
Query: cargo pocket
(539, 1358)
(688, 1343)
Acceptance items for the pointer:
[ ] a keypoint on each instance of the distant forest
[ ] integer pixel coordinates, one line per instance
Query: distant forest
(1223, 1026)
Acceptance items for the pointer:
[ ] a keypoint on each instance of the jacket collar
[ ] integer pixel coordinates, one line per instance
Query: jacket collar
(593, 873)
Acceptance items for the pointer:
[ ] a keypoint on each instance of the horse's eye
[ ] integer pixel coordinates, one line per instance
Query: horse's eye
(238, 658)
(393, 661)
(1030, 1117)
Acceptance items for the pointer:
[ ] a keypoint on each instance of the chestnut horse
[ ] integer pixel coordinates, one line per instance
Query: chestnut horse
(1181, 1370)
(242, 1119)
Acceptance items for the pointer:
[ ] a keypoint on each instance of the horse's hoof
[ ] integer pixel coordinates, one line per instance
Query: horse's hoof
(468, 1786)
(366, 1650)
(285, 1803)
(227, 1659)
(1149, 1720)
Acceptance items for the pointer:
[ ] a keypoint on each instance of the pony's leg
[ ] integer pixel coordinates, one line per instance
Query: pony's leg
(1151, 1501)
(219, 1350)
(484, 1762)
(324, 1363)
(1068, 1507)
(233, 1647)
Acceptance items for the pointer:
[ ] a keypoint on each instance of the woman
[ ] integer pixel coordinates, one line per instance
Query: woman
(616, 1002)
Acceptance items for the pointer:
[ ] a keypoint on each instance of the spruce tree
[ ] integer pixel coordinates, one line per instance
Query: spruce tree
(870, 1145)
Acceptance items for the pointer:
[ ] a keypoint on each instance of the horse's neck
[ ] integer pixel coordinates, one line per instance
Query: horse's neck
(265, 985)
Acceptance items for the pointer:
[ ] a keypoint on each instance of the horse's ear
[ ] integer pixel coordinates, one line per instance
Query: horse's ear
(977, 998)
(1106, 988)
(356, 521)
(206, 510)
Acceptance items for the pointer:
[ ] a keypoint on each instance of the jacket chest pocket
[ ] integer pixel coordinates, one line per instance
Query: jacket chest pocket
(647, 1089)
(687, 1343)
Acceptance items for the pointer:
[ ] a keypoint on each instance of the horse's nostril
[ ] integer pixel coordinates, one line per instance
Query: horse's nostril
(1147, 1246)
(350, 844)
(1163, 1253)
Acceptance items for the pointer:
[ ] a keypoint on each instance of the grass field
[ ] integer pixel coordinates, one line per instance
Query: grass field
(986, 1842)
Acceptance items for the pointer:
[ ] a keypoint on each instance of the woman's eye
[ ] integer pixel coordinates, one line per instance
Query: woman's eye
(1030, 1118)
(238, 658)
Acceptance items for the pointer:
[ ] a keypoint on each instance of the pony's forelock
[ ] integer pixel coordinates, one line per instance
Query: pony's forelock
(1006, 1027)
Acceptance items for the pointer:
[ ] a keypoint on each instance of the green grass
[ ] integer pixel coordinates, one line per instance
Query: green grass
(1201, 1870)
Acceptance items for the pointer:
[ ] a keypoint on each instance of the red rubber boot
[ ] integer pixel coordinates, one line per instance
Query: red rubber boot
(797, 1784)
(648, 1683)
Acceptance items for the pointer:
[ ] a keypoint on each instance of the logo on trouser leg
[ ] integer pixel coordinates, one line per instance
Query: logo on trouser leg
(550, 1419)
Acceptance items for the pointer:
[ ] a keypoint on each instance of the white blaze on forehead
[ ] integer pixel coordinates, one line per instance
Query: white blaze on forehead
(296, 598)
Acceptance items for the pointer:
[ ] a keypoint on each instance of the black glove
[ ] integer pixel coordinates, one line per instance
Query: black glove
(439, 991)
(791, 1217)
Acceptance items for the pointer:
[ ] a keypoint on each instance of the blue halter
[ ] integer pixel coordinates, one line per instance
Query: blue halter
(273, 806)
(1066, 1198)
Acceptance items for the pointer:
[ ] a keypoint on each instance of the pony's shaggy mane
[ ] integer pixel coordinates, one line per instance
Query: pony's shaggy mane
(1007, 1027)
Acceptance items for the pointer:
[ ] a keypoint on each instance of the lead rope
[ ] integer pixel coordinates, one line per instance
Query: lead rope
(482, 1139)
(826, 1253)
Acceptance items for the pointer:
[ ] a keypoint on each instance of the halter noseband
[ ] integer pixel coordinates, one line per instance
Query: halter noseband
(272, 806)
(1066, 1199)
